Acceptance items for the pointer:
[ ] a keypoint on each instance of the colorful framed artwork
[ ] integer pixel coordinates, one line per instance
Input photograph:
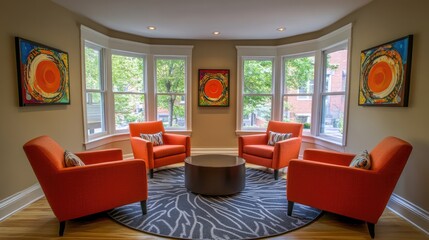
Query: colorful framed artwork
(385, 74)
(43, 74)
(213, 87)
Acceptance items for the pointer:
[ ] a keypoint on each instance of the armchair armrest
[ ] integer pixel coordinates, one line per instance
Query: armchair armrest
(327, 156)
(99, 156)
(254, 139)
(106, 184)
(284, 151)
(339, 189)
(250, 140)
(143, 149)
(176, 139)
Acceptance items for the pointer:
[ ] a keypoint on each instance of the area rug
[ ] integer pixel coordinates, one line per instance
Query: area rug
(260, 210)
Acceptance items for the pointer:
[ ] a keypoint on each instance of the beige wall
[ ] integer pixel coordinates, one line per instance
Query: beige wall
(47, 23)
(379, 22)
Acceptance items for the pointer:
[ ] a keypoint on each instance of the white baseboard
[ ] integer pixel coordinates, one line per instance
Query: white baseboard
(410, 212)
(223, 151)
(20, 200)
(201, 151)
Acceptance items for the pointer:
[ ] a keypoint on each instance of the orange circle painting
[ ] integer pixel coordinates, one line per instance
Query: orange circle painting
(380, 77)
(385, 69)
(43, 75)
(213, 89)
(47, 77)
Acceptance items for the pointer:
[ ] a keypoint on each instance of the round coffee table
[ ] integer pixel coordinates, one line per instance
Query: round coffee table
(215, 174)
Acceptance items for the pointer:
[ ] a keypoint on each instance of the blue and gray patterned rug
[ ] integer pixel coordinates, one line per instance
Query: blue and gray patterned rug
(260, 210)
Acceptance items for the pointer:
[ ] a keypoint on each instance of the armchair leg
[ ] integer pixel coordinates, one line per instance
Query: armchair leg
(276, 174)
(143, 205)
(289, 208)
(371, 229)
(62, 227)
(151, 173)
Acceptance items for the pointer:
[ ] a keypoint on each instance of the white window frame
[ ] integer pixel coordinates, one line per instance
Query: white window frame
(109, 45)
(102, 91)
(185, 92)
(111, 94)
(299, 96)
(317, 46)
(322, 93)
(272, 59)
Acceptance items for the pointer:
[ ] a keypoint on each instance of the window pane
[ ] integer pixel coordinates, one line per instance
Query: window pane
(299, 75)
(171, 110)
(127, 74)
(295, 110)
(128, 108)
(256, 111)
(95, 113)
(170, 75)
(332, 120)
(335, 71)
(92, 68)
(258, 75)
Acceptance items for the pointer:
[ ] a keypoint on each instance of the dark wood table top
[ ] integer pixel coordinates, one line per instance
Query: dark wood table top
(214, 160)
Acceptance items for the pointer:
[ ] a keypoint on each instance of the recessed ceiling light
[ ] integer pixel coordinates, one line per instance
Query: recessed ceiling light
(216, 33)
(281, 29)
(151, 28)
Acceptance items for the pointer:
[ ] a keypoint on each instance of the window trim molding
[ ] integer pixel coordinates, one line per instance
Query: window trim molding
(109, 45)
(316, 46)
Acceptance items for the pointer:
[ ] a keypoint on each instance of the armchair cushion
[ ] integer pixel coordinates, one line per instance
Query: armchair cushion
(265, 151)
(274, 137)
(361, 160)
(155, 139)
(71, 160)
(168, 150)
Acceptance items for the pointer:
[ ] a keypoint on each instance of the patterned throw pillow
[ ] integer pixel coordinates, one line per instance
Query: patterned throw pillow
(71, 160)
(277, 137)
(155, 139)
(361, 160)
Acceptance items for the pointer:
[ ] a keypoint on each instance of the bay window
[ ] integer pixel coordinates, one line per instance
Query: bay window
(304, 82)
(125, 81)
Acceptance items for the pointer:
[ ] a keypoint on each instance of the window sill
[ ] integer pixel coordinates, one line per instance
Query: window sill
(98, 142)
(249, 131)
(325, 143)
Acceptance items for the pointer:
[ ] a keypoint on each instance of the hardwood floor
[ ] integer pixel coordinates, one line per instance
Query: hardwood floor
(38, 222)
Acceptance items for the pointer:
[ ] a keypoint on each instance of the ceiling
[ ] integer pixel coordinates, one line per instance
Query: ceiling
(198, 19)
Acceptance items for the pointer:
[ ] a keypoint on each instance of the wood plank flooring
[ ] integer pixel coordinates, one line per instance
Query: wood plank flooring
(38, 222)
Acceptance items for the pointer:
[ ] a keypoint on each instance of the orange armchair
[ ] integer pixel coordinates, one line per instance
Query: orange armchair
(254, 148)
(174, 150)
(325, 181)
(105, 182)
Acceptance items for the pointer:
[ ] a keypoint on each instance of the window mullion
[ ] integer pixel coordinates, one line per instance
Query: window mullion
(317, 91)
(109, 98)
